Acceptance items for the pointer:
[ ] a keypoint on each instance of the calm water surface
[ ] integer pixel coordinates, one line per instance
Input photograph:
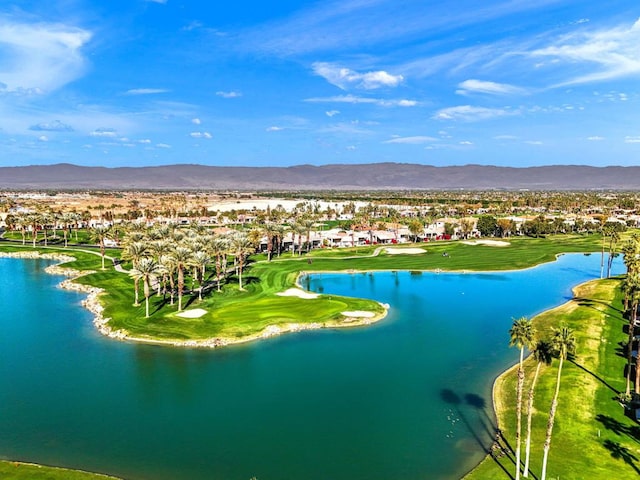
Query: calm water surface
(407, 398)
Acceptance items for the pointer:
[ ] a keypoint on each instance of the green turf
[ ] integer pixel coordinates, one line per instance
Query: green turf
(26, 471)
(592, 437)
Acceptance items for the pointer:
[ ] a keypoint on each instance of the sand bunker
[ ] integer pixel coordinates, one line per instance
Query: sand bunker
(405, 251)
(490, 243)
(194, 313)
(359, 314)
(296, 292)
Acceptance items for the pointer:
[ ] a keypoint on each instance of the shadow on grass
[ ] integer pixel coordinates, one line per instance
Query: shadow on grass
(590, 302)
(600, 379)
(622, 453)
(619, 428)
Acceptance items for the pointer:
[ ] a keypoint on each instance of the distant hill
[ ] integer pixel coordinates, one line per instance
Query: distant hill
(381, 176)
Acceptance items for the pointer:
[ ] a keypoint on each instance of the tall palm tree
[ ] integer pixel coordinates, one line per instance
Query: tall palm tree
(542, 354)
(631, 290)
(135, 252)
(146, 270)
(200, 260)
(614, 238)
(181, 256)
(159, 249)
(219, 249)
(563, 344)
(99, 235)
(520, 335)
(241, 247)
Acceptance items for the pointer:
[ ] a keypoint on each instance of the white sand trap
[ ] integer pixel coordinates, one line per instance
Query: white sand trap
(296, 292)
(405, 251)
(359, 314)
(489, 243)
(194, 313)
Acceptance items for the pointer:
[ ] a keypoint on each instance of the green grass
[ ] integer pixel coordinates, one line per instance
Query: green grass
(27, 471)
(592, 437)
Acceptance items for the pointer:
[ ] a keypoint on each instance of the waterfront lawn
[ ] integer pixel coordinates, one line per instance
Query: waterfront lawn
(26, 471)
(592, 437)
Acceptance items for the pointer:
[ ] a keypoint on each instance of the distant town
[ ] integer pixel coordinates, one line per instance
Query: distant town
(311, 220)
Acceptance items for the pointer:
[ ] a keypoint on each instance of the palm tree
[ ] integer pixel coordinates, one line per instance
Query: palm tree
(542, 354)
(135, 252)
(240, 246)
(199, 261)
(146, 270)
(563, 344)
(521, 335)
(219, 249)
(99, 235)
(181, 256)
(614, 238)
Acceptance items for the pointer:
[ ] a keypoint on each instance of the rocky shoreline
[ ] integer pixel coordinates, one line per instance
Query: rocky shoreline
(92, 303)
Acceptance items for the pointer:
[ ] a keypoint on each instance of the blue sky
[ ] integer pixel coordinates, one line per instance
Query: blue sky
(245, 83)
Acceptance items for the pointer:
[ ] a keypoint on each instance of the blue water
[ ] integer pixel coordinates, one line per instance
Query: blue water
(407, 398)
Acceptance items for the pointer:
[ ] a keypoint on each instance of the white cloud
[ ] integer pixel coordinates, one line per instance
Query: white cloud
(43, 138)
(40, 57)
(206, 135)
(144, 141)
(162, 2)
(465, 142)
(104, 132)
(412, 140)
(274, 129)
(344, 77)
(611, 53)
(630, 139)
(533, 142)
(595, 138)
(146, 91)
(163, 145)
(228, 94)
(54, 126)
(469, 113)
(360, 100)
(332, 113)
(492, 88)
(196, 121)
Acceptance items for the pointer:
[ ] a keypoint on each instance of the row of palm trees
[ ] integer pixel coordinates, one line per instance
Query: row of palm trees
(34, 222)
(562, 345)
(165, 257)
(631, 299)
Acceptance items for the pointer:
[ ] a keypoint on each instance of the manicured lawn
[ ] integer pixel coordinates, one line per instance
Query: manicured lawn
(25, 471)
(592, 437)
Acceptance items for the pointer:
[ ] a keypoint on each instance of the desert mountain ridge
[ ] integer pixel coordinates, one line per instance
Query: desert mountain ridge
(377, 176)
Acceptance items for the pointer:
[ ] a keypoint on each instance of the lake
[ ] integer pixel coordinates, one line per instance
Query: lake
(406, 398)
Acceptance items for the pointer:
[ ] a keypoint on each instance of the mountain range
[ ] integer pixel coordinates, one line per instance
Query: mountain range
(378, 176)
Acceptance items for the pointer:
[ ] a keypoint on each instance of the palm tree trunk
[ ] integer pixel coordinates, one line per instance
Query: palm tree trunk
(180, 286)
(136, 300)
(519, 389)
(527, 449)
(552, 415)
(632, 321)
(146, 296)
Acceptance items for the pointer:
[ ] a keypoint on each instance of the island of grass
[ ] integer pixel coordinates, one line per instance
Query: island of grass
(593, 438)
